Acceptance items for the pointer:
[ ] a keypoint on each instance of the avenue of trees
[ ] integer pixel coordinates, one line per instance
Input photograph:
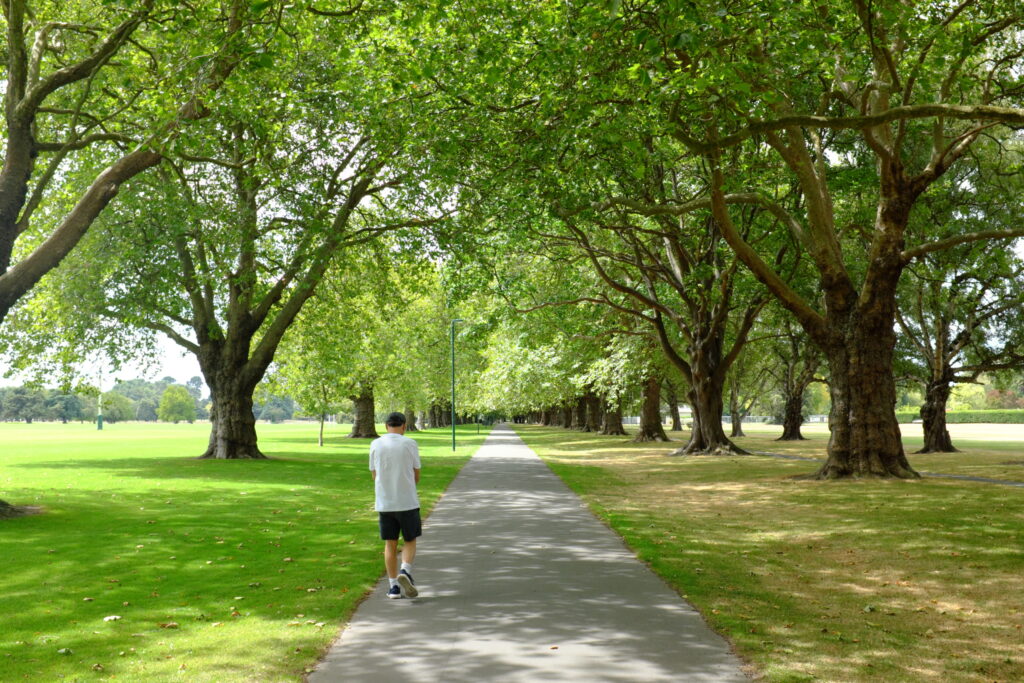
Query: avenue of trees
(628, 204)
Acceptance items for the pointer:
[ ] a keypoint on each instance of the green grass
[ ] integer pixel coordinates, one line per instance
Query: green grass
(219, 570)
(819, 581)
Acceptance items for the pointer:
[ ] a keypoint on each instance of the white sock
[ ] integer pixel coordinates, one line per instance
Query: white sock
(407, 566)
(394, 582)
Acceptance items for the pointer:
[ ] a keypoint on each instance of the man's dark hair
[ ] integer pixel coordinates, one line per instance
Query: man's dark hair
(395, 420)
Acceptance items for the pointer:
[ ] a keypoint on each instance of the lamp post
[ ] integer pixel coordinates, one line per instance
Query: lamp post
(455, 320)
(99, 403)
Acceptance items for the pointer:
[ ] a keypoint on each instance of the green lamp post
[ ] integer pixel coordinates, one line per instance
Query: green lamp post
(456, 320)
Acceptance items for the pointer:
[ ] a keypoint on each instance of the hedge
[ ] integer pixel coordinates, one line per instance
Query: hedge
(970, 416)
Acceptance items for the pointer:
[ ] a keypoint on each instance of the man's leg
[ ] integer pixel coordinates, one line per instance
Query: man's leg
(405, 576)
(391, 558)
(409, 551)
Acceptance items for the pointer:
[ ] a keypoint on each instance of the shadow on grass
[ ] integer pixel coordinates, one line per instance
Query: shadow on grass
(858, 580)
(245, 557)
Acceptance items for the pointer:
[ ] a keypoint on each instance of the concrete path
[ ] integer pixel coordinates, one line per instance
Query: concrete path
(520, 582)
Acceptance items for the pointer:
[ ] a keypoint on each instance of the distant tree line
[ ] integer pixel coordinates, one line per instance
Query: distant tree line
(134, 399)
(164, 400)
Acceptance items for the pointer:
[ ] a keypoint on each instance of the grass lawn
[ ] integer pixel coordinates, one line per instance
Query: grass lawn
(217, 570)
(822, 581)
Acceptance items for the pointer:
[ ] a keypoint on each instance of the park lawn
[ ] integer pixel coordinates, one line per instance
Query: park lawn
(218, 570)
(818, 581)
(990, 451)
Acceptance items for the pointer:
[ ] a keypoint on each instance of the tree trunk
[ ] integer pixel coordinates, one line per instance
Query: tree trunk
(865, 436)
(233, 425)
(651, 428)
(545, 417)
(594, 413)
(672, 397)
(707, 436)
(321, 440)
(611, 421)
(735, 410)
(793, 418)
(566, 412)
(579, 414)
(933, 419)
(410, 420)
(365, 426)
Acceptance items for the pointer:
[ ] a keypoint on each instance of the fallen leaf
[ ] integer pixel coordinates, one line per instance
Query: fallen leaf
(169, 624)
(112, 617)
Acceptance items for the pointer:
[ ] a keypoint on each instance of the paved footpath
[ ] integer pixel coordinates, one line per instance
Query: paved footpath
(519, 582)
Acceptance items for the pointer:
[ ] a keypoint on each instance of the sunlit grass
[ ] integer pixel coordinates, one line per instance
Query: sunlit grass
(823, 581)
(218, 570)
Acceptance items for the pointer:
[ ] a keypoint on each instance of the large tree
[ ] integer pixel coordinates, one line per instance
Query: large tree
(861, 107)
(904, 89)
(222, 249)
(960, 319)
(93, 92)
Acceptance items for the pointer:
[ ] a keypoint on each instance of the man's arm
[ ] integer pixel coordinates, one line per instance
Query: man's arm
(416, 475)
(373, 475)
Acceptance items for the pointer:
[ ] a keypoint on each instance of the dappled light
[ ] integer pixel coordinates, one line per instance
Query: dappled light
(523, 584)
(861, 580)
(213, 567)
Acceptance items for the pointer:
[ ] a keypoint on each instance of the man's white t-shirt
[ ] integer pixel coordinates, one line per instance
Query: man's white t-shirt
(394, 457)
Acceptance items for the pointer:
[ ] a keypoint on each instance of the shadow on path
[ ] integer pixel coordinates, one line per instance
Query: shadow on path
(519, 582)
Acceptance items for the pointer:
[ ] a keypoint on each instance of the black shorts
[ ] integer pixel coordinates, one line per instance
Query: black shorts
(406, 521)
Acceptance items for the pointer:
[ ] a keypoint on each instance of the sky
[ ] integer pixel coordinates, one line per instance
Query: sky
(173, 361)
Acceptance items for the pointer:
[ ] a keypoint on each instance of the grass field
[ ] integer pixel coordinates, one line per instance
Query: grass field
(217, 570)
(824, 581)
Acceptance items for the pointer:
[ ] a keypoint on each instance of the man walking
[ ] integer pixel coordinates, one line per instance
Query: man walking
(395, 467)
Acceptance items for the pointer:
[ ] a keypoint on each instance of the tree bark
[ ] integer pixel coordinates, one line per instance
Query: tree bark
(566, 412)
(933, 419)
(611, 421)
(545, 417)
(364, 426)
(651, 428)
(233, 425)
(736, 412)
(793, 418)
(865, 436)
(672, 398)
(320, 441)
(594, 413)
(673, 411)
(410, 420)
(707, 436)
(579, 414)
